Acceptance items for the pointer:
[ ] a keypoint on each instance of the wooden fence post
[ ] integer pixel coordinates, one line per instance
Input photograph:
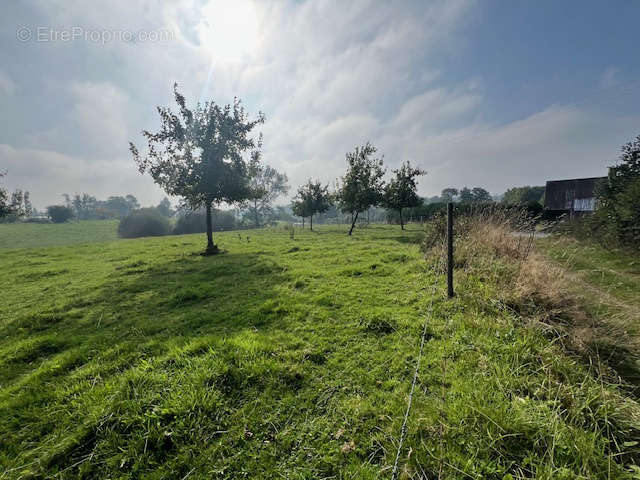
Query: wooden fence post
(450, 250)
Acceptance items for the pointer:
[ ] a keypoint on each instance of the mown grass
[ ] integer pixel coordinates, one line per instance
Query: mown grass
(286, 358)
(26, 235)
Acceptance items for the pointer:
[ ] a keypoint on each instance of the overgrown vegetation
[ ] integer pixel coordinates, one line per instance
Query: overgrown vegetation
(617, 217)
(291, 356)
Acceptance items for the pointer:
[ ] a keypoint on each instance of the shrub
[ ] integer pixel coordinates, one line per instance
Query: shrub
(37, 220)
(146, 222)
(59, 213)
(196, 222)
(618, 216)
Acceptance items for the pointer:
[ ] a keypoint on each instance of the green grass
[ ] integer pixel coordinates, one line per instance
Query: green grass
(607, 283)
(285, 359)
(26, 235)
(615, 271)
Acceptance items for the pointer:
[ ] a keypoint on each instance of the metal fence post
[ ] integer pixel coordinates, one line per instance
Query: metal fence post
(449, 249)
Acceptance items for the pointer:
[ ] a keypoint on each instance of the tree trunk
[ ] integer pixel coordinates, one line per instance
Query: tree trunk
(311, 222)
(355, 219)
(303, 223)
(255, 210)
(212, 249)
(401, 223)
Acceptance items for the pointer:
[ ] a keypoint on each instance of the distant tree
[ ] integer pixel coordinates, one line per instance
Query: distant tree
(448, 194)
(402, 191)
(5, 208)
(198, 155)
(164, 208)
(84, 206)
(523, 195)
(59, 213)
(480, 195)
(475, 195)
(314, 198)
(18, 206)
(196, 221)
(265, 185)
(300, 206)
(362, 186)
(619, 196)
(116, 205)
(146, 222)
(466, 195)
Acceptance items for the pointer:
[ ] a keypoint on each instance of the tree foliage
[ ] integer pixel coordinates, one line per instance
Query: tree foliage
(448, 194)
(311, 198)
(619, 197)
(265, 185)
(402, 191)
(362, 186)
(198, 154)
(146, 222)
(524, 195)
(59, 213)
(15, 207)
(475, 195)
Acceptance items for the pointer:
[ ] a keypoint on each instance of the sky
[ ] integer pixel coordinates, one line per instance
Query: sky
(485, 93)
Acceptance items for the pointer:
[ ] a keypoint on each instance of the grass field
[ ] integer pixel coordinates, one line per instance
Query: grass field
(286, 358)
(25, 235)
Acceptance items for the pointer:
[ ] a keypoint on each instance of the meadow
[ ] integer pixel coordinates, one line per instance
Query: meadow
(286, 358)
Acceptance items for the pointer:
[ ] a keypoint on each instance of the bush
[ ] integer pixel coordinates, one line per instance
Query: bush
(59, 213)
(37, 220)
(617, 217)
(146, 222)
(196, 222)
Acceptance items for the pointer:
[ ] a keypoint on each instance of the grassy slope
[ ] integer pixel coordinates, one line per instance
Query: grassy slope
(25, 235)
(282, 358)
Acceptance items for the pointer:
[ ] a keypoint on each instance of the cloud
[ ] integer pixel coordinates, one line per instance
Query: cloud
(48, 174)
(328, 75)
(7, 87)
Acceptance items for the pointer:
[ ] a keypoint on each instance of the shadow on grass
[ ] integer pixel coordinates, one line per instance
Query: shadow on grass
(144, 306)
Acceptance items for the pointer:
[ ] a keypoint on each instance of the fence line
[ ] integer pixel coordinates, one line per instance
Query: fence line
(403, 430)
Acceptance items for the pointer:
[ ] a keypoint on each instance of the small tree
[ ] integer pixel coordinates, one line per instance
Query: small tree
(265, 185)
(59, 213)
(401, 191)
(300, 206)
(312, 198)
(619, 196)
(362, 186)
(199, 155)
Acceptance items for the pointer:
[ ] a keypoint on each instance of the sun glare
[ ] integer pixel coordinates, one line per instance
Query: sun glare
(229, 29)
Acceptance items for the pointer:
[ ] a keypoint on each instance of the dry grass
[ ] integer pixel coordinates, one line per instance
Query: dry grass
(498, 246)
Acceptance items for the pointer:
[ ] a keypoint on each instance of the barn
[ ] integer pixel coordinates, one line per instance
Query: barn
(576, 196)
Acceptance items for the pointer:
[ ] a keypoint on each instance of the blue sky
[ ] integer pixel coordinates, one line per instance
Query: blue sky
(478, 92)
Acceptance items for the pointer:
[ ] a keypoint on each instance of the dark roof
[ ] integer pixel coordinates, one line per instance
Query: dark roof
(560, 194)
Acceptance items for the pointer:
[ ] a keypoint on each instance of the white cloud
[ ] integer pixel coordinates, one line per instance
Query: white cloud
(328, 75)
(48, 174)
